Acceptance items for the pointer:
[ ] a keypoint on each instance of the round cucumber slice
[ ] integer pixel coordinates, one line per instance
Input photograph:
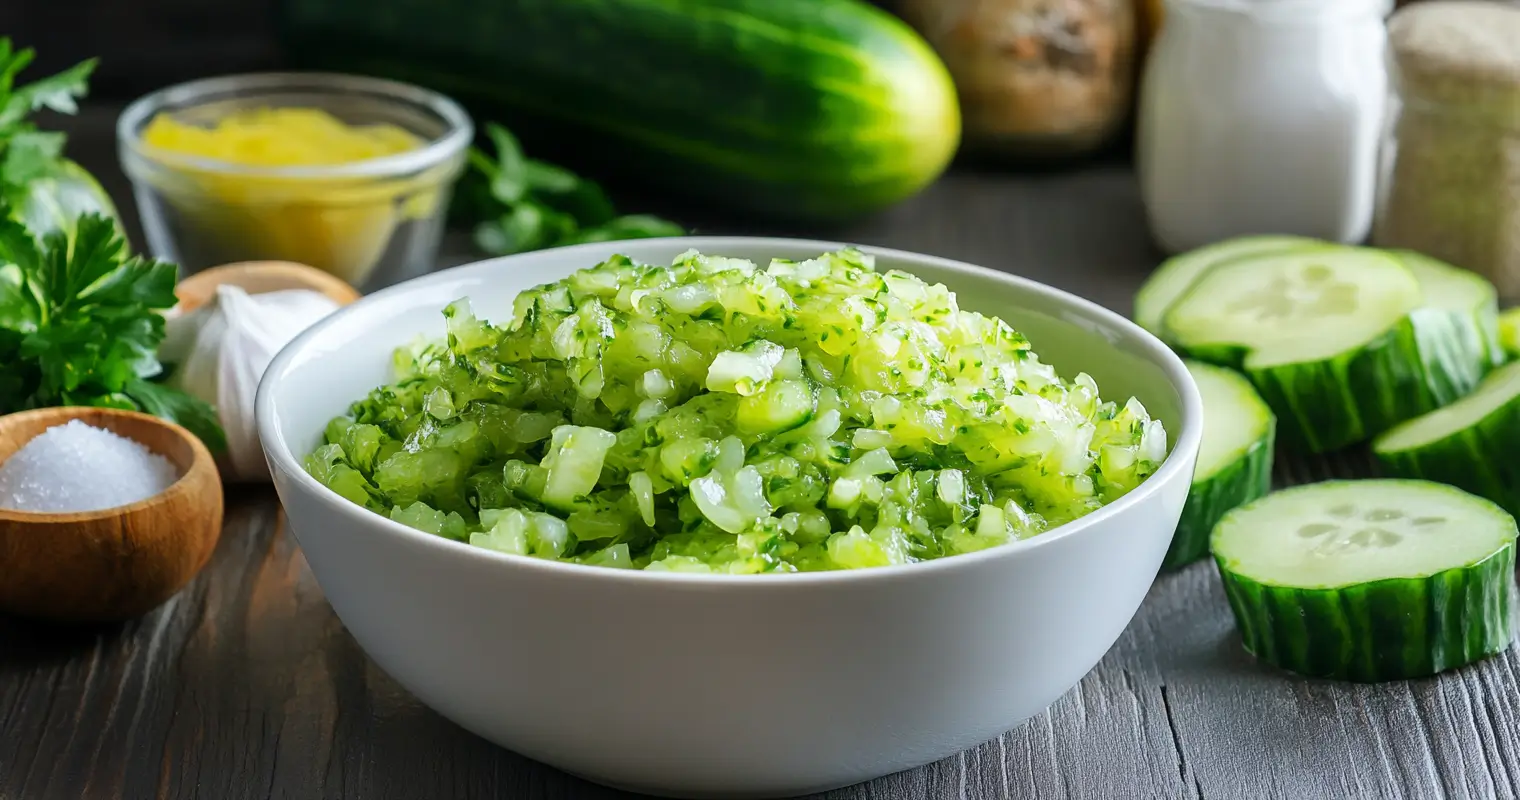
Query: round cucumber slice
(1172, 279)
(1469, 444)
(1340, 341)
(1286, 308)
(1369, 580)
(1234, 463)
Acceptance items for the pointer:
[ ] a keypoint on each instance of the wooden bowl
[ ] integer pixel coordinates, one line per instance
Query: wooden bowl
(261, 276)
(115, 563)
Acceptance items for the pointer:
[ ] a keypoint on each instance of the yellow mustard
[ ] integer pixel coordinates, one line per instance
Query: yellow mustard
(280, 137)
(338, 224)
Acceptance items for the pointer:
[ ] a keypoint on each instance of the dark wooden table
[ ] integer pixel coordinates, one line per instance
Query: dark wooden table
(247, 686)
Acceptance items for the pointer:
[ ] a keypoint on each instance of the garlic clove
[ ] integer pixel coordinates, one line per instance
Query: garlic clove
(222, 350)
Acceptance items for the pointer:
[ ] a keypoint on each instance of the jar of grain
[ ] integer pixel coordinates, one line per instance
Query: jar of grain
(1451, 180)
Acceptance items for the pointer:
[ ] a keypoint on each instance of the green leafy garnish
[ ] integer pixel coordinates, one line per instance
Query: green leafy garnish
(527, 204)
(79, 326)
(26, 153)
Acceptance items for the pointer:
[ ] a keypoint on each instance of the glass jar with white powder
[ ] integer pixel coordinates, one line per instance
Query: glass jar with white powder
(1263, 117)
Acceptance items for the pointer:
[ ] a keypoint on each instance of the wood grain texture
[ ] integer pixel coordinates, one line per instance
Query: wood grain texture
(246, 685)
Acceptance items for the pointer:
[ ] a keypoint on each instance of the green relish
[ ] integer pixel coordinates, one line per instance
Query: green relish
(716, 416)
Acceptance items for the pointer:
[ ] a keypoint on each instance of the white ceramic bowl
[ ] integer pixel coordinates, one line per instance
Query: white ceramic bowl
(725, 686)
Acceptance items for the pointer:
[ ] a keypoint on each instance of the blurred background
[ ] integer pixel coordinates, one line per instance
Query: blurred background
(1050, 179)
(1029, 162)
(145, 44)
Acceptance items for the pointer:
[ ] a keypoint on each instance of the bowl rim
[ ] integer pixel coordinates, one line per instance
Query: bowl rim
(1181, 456)
(438, 150)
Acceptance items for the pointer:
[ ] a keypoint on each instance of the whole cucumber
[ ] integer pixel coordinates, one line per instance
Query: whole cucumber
(811, 110)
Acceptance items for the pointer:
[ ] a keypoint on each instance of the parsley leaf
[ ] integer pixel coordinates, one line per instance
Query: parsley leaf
(508, 174)
(58, 92)
(80, 325)
(522, 204)
(30, 155)
(27, 154)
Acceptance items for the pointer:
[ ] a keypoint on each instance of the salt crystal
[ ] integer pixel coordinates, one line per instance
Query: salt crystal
(78, 467)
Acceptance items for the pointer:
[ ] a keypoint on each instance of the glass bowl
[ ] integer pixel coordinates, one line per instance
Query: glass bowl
(371, 222)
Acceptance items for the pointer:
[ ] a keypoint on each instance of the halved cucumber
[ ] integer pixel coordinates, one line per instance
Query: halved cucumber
(1172, 279)
(1509, 332)
(1338, 340)
(1234, 463)
(1369, 580)
(1469, 444)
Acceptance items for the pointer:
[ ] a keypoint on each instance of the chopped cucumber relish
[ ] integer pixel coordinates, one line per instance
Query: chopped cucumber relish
(714, 416)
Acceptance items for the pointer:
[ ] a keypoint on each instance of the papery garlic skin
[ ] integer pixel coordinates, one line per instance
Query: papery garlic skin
(220, 352)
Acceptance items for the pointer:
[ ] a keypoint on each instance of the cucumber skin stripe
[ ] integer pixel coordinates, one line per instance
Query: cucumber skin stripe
(1247, 478)
(1457, 349)
(1326, 405)
(1384, 630)
(1478, 459)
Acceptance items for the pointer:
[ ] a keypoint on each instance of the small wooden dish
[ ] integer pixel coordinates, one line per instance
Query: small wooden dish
(115, 563)
(255, 277)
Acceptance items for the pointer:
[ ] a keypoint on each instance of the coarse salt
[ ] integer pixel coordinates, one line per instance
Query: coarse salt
(78, 467)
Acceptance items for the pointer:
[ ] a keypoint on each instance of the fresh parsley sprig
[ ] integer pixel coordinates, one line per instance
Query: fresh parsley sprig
(80, 326)
(527, 204)
(27, 153)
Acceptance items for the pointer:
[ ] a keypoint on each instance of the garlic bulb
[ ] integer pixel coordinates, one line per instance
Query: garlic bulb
(221, 351)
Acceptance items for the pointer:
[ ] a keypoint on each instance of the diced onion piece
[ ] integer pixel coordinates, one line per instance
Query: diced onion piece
(874, 462)
(951, 488)
(655, 384)
(747, 489)
(730, 455)
(870, 439)
(643, 495)
(845, 492)
(745, 371)
(711, 498)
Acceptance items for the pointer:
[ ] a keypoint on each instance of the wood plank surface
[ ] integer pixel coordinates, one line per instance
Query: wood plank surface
(247, 686)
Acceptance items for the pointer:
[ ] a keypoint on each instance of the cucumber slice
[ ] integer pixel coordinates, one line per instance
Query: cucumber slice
(1469, 444)
(1462, 346)
(1509, 332)
(1309, 304)
(1369, 580)
(1340, 341)
(1172, 279)
(779, 407)
(1234, 463)
(1319, 331)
